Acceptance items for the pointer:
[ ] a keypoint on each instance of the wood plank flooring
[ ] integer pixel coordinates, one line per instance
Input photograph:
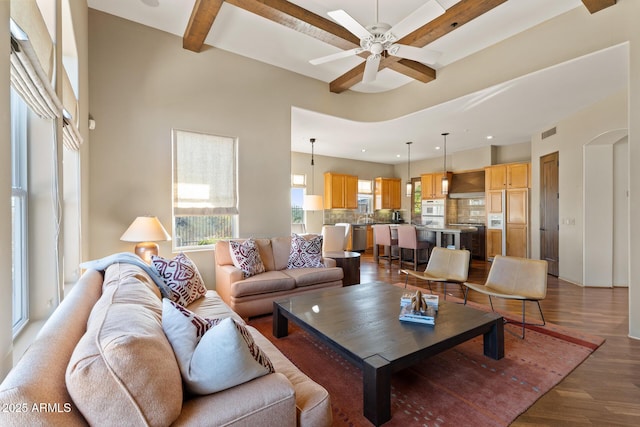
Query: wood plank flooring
(602, 391)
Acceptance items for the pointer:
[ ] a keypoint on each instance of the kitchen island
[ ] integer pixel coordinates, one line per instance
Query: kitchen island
(458, 236)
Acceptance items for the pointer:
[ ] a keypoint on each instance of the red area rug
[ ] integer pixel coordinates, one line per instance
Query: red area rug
(459, 387)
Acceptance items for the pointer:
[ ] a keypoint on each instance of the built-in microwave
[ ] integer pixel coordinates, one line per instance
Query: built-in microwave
(433, 207)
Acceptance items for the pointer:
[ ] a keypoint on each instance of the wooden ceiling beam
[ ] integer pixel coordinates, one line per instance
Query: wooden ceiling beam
(594, 6)
(202, 16)
(293, 16)
(455, 17)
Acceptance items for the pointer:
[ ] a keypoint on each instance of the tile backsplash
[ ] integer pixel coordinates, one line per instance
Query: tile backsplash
(468, 211)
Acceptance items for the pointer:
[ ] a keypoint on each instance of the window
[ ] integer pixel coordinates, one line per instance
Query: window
(19, 212)
(205, 199)
(298, 186)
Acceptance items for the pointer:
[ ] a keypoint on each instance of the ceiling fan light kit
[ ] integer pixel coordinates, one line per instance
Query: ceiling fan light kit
(379, 39)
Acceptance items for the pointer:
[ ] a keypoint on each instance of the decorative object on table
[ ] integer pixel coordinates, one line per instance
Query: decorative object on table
(415, 308)
(146, 230)
(445, 180)
(312, 202)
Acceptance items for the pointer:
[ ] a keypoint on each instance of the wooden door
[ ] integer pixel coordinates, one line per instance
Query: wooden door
(549, 212)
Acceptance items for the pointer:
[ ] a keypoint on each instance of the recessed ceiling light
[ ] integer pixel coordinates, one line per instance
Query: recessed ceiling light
(398, 155)
(364, 149)
(489, 136)
(438, 147)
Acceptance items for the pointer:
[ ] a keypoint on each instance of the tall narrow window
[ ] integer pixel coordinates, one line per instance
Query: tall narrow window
(19, 212)
(205, 199)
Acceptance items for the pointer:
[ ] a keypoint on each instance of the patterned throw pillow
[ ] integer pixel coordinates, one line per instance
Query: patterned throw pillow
(182, 277)
(246, 257)
(213, 354)
(305, 253)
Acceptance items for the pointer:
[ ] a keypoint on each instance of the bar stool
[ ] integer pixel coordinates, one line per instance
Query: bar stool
(408, 239)
(382, 237)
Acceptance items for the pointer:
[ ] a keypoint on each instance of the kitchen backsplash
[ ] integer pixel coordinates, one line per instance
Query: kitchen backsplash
(334, 216)
(466, 211)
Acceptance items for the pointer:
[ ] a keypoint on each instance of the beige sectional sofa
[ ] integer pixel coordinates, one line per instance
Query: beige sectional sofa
(102, 359)
(254, 296)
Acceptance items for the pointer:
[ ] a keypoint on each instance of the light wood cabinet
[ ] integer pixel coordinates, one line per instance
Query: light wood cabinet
(388, 193)
(431, 185)
(340, 191)
(494, 243)
(504, 177)
(516, 217)
(369, 237)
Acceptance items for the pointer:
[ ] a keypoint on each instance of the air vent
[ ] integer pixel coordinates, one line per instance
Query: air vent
(548, 133)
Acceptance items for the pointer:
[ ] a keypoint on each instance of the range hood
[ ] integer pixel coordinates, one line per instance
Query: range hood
(467, 185)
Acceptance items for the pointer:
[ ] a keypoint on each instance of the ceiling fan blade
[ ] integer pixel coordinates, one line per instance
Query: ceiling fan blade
(353, 26)
(426, 56)
(371, 69)
(334, 56)
(424, 14)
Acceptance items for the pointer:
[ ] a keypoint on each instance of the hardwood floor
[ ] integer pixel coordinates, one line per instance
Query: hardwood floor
(602, 391)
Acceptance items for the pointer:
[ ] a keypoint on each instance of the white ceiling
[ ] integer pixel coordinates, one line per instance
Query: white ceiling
(511, 112)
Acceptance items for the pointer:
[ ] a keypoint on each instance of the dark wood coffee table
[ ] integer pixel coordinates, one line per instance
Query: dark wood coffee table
(361, 323)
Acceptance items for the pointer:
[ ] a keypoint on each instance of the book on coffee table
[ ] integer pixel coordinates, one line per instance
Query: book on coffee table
(427, 317)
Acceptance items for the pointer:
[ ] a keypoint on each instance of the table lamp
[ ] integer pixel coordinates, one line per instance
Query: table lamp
(146, 230)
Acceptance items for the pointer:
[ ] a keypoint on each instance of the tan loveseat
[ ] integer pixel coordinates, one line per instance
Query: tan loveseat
(253, 296)
(107, 339)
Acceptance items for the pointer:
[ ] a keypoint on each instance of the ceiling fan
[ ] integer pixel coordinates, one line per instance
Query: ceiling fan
(379, 39)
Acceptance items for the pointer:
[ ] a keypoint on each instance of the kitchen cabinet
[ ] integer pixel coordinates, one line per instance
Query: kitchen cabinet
(388, 193)
(516, 222)
(494, 243)
(504, 177)
(340, 191)
(432, 185)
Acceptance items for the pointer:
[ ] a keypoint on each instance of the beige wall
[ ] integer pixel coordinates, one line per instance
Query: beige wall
(143, 84)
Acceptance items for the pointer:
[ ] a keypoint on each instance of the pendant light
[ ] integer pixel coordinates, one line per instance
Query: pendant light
(311, 201)
(409, 185)
(445, 180)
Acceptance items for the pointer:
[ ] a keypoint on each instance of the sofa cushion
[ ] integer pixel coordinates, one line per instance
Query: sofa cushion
(213, 354)
(281, 247)
(305, 253)
(212, 306)
(182, 277)
(246, 257)
(265, 283)
(314, 276)
(125, 356)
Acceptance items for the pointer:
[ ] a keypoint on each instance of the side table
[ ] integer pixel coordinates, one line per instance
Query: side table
(350, 264)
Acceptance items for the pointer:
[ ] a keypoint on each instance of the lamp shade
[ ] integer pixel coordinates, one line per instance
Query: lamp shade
(145, 229)
(312, 202)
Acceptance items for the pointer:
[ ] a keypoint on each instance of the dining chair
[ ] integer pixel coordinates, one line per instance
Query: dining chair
(382, 237)
(347, 235)
(515, 278)
(444, 266)
(332, 238)
(408, 239)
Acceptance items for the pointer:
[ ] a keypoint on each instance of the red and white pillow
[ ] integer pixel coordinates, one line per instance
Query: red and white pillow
(246, 257)
(182, 277)
(305, 253)
(213, 354)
